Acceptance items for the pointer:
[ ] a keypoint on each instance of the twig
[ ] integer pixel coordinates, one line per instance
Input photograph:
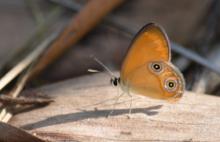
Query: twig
(8, 100)
(81, 24)
(186, 52)
(71, 35)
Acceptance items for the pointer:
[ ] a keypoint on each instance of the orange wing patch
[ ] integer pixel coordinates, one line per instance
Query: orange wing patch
(151, 43)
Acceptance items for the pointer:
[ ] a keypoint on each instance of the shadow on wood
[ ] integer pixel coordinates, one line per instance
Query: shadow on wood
(59, 119)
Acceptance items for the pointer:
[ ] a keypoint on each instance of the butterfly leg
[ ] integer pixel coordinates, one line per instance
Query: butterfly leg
(116, 101)
(130, 107)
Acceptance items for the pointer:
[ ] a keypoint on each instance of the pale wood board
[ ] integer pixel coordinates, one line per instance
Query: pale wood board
(81, 105)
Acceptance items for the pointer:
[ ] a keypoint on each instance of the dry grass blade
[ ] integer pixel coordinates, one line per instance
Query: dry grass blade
(5, 115)
(22, 65)
(28, 64)
(65, 40)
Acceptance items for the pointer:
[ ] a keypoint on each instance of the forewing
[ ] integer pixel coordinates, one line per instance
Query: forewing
(150, 44)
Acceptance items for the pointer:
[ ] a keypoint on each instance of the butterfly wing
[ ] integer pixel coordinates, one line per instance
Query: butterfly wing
(151, 43)
(147, 69)
(145, 81)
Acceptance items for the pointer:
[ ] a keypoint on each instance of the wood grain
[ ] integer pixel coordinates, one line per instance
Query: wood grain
(82, 104)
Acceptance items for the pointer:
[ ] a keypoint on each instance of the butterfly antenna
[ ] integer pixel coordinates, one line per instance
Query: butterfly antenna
(104, 66)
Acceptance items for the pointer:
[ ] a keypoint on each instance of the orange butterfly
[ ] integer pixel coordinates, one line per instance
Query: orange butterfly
(147, 69)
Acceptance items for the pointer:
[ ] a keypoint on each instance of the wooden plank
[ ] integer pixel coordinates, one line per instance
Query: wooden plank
(81, 105)
(13, 134)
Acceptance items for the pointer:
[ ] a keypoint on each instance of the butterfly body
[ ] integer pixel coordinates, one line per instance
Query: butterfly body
(147, 69)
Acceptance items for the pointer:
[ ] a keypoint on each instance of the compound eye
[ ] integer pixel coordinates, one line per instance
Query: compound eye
(114, 81)
(156, 67)
(170, 85)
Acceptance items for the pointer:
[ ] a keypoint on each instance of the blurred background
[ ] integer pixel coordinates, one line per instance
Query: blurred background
(191, 25)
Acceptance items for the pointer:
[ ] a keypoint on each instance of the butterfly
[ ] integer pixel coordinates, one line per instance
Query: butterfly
(147, 69)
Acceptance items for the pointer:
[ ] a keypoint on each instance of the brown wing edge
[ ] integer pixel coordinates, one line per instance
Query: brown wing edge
(178, 73)
(143, 29)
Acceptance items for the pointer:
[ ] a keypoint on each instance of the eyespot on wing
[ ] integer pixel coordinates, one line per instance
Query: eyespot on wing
(171, 79)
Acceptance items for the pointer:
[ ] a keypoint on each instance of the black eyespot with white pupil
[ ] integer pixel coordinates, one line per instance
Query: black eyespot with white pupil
(156, 67)
(171, 85)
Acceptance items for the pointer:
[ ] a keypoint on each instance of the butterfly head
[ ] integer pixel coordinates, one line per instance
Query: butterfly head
(115, 81)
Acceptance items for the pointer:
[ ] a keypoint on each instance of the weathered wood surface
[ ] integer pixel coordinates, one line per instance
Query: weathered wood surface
(81, 105)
